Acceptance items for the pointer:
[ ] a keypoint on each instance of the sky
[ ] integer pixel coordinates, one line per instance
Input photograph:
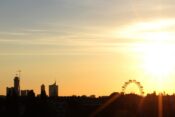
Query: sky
(88, 46)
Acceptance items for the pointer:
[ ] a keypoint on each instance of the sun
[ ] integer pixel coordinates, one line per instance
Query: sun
(158, 59)
(155, 37)
(153, 42)
(159, 64)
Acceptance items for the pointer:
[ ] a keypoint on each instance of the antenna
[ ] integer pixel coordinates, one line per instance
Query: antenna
(55, 81)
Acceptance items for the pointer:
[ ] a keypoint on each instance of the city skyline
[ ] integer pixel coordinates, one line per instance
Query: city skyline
(16, 90)
(52, 90)
(88, 47)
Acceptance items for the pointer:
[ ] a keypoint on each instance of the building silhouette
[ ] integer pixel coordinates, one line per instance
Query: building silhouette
(10, 91)
(43, 88)
(17, 85)
(43, 91)
(25, 92)
(53, 90)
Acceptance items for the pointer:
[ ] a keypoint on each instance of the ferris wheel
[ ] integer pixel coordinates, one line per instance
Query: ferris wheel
(133, 82)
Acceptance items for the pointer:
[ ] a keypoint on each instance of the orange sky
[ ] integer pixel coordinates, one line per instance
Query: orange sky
(88, 47)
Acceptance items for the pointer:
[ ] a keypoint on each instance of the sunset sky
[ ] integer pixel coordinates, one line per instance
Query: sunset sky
(88, 46)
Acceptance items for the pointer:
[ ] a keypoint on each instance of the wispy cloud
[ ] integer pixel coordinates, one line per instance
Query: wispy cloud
(13, 33)
(77, 26)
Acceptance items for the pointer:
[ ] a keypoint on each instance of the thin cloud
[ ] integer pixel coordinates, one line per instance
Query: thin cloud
(13, 33)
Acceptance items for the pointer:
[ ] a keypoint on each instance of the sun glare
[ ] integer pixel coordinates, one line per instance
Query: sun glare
(159, 64)
(158, 59)
(156, 47)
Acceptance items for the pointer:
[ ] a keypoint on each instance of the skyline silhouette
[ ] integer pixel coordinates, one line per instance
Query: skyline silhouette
(53, 89)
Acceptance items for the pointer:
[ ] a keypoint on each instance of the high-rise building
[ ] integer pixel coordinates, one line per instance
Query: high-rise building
(43, 91)
(14, 91)
(53, 90)
(42, 88)
(17, 85)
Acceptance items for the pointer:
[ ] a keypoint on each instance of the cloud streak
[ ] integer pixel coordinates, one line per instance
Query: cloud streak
(64, 26)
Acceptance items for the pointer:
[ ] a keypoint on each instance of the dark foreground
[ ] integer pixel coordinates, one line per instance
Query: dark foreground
(116, 105)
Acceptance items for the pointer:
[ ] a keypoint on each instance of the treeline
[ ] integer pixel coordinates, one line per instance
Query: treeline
(132, 105)
(115, 105)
